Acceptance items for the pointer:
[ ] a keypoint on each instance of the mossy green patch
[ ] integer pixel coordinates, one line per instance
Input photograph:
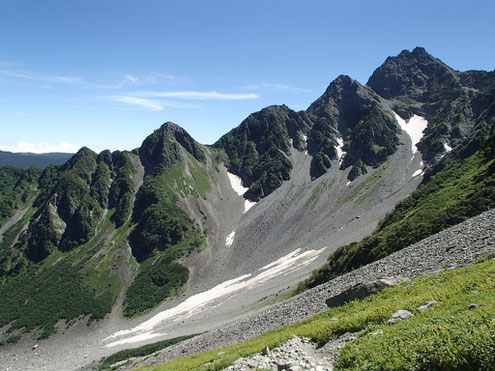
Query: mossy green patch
(369, 185)
(318, 191)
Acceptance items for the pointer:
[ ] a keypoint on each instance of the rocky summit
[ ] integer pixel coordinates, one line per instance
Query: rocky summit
(115, 250)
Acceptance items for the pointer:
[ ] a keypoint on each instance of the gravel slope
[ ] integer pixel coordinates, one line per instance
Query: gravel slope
(458, 246)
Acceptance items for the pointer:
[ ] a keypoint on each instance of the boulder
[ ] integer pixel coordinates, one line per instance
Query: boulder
(426, 306)
(362, 290)
(399, 316)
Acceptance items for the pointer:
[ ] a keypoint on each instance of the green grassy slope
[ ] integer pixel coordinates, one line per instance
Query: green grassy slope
(450, 335)
(17, 186)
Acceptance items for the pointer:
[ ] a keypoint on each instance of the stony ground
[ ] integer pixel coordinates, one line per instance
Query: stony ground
(458, 246)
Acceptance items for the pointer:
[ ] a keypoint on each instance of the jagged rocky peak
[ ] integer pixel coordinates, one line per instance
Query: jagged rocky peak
(278, 122)
(409, 75)
(258, 149)
(163, 147)
(354, 114)
(343, 102)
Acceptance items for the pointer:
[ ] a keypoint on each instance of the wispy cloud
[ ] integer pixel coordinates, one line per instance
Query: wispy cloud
(35, 76)
(41, 147)
(198, 95)
(131, 78)
(152, 105)
(143, 102)
(275, 87)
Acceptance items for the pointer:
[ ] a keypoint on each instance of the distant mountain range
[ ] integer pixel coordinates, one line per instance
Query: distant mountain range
(26, 159)
(123, 231)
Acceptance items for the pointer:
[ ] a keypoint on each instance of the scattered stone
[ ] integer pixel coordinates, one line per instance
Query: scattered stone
(426, 306)
(35, 346)
(333, 319)
(377, 332)
(265, 351)
(474, 306)
(362, 290)
(399, 316)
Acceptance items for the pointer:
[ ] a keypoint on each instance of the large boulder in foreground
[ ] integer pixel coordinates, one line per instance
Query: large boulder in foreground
(363, 289)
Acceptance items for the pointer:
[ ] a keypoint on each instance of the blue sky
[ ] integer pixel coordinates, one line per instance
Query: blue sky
(105, 73)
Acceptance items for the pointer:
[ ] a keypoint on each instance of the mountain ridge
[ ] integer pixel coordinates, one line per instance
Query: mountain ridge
(139, 227)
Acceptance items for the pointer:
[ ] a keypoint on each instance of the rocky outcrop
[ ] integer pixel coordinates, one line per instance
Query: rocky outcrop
(363, 290)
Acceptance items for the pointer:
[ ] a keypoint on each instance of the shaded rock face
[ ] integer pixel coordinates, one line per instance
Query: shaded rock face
(407, 76)
(362, 290)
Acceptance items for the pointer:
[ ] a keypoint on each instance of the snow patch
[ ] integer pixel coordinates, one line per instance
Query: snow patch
(418, 172)
(230, 239)
(447, 147)
(215, 296)
(248, 204)
(304, 137)
(414, 127)
(340, 152)
(236, 183)
(348, 183)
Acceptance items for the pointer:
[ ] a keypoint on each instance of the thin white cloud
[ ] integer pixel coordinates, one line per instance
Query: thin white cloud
(198, 95)
(275, 87)
(41, 147)
(143, 102)
(131, 78)
(35, 76)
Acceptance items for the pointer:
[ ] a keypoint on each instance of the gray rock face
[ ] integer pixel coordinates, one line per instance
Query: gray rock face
(400, 315)
(362, 290)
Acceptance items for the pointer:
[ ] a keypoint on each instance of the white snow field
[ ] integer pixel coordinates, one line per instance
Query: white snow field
(414, 127)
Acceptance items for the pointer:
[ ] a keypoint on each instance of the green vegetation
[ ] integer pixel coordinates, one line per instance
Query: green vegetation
(370, 133)
(459, 191)
(64, 296)
(12, 261)
(164, 147)
(371, 141)
(160, 222)
(370, 185)
(122, 189)
(318, 191)
(156, 281)
(17, 186)
(257, 150)
(321, 146)
(450, 335)
(164, 232)
(141, 351)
